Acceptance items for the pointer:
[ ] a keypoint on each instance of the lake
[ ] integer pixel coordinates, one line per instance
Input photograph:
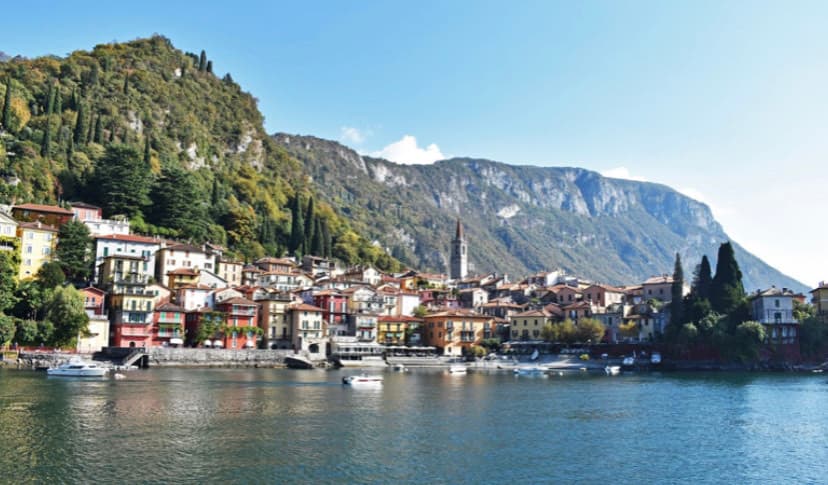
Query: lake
(277, 425)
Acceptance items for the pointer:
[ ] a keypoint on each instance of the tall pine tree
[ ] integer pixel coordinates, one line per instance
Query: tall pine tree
(202, 61)
(97, 137)
(81, 124)
(310, 219)
(703, 279)
(316, 247)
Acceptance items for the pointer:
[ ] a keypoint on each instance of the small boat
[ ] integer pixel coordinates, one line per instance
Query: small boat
(458, 369)
(399, 368)
(628, 363)
(362, 381)
(78, 368)
(529, 370)
(612, 370)
(655, 359)
(298, 362)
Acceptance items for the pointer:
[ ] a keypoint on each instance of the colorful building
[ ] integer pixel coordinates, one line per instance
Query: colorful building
(453, 332)
(47, 214)
(168, 325)
(242, 323)
(37, 245)
(399, 330)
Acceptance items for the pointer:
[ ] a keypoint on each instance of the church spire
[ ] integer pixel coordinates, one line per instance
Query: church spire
(459, 234)
(459, 254)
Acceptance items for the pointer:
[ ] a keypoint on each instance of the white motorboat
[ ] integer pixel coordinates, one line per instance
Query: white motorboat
(458, 369)
(362, 381)
(529, 370)
(78, 368)
(655, 359)
(399, 368)
(612, 370)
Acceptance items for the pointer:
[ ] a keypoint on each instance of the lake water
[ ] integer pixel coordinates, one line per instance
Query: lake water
(274, 425)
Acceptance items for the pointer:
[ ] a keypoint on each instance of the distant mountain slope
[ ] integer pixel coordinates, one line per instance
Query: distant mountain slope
(521, 219)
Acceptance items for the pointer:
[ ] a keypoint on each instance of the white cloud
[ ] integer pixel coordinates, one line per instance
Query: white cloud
(406, 151)
(355, 136)
(622, 173)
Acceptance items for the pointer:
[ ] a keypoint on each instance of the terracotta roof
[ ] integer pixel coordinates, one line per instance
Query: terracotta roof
(237, 301)
(184, 247)
(272, 260)
(658, 280)
(399, 318)
(52, 209)
(304, 307)
(182, 272)
(93, 289)
(124, 256)
(609, 288)
(195, 287)
(533, 313)
(130, 238)
(169, 307)
(560, 287)
(84, 205)
(38, 226)
(457, 312)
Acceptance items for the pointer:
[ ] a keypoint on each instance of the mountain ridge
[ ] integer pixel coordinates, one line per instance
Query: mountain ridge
(522, 218)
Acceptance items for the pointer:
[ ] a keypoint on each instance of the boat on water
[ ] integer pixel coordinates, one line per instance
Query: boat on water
(628, 363)
(655, 359)
(362, 381)
(298, 362)
(78, 368)
(612, 370)
(399, 368)
(458, 369)
(529, 370)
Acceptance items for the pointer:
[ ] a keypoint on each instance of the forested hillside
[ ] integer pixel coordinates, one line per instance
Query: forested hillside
(150, 132)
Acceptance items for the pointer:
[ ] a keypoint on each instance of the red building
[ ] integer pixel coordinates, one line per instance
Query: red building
(86, 212)
(168, 325)
(47, 214)
(93, 301)
(334, 306)
(240, 313)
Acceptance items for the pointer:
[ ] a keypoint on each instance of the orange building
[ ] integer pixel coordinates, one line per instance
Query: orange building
(454, 330)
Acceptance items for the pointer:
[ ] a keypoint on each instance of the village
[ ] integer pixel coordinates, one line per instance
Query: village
(151, 292)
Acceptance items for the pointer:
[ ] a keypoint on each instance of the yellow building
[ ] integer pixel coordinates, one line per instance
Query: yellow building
(37, 245)
(820, 301)
(453, 330)
(399, 330)
(529, 325)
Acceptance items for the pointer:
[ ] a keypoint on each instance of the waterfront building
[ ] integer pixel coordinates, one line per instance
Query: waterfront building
(37, 245)
(193, 297)
(566, 294)
(459, 254)
(500, 308)
(819, 298)
(661, 288)
(363, 326)
(119, 271)
(273, 318)
(399, 330)
(242, 318)
(363, 299)
(213, 323)
(308, 329)
(168, 325)
(529, 325)
(181, 277)
(131, 318)
(452, 332)
(51, 215)
(773, 308)
(472, 298)
(97, 335)
(612, 317)
(603, 295)
(334, 307)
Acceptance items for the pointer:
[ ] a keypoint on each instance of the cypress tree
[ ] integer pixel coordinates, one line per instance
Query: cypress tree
(210, 67)
(98, 137)
(326, 239)
(726, 290)
(50, 100)
(677, 293)
(703, 279)
(297, 227)
(316, 243)
(58, 101)
(70, 149)
(81, 124)
(310, 218)
(91, 133)
(126, 83)
(7, 105)
(75, 99)
(202, 61)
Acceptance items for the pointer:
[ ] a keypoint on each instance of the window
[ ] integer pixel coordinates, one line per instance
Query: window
(28, 249)
(776, 303)
(47, 251)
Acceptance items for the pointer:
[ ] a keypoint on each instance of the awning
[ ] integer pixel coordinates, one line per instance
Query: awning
(208, 343)
(176, 341)
(249, 344)
(218, 343)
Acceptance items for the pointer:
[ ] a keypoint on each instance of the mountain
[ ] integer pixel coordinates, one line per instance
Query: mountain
(146, 130)
(521, 219)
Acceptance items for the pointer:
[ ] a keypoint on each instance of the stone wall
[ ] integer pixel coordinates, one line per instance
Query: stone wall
(185, 357)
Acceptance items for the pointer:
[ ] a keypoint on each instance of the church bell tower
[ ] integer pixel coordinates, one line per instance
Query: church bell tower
(459, 254)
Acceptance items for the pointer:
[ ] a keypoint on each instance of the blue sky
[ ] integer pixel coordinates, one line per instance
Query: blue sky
(725, 101)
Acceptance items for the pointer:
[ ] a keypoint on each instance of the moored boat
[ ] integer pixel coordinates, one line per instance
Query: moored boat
(612, 370)
(458, 369)
(298, 362)
(78, 368)
(529, 370)
(362, 380)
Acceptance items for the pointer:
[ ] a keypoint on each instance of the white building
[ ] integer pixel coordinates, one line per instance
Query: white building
(184, 256)
(129, 245)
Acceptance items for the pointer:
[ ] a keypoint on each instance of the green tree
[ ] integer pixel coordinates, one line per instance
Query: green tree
(202, 61)
(74, 251)
(26, 332)
(178, 203)
(297, 227)
(81, 124)
(726, 292)
(749, 337)
(420, 312)
(549, 332)
(316, 246)
(310, 219)
(567, 333)
(122, 181)
(703, 279)
(7, 329)
(97, 136)
(688, 334)
(590, 330)
(677, 293)
(629, 329)
(50, 275)
(30, 299)
(65, 309)
(210, 67)
(327, 244)
(147, 153)
(8, 281)
(7, 105)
